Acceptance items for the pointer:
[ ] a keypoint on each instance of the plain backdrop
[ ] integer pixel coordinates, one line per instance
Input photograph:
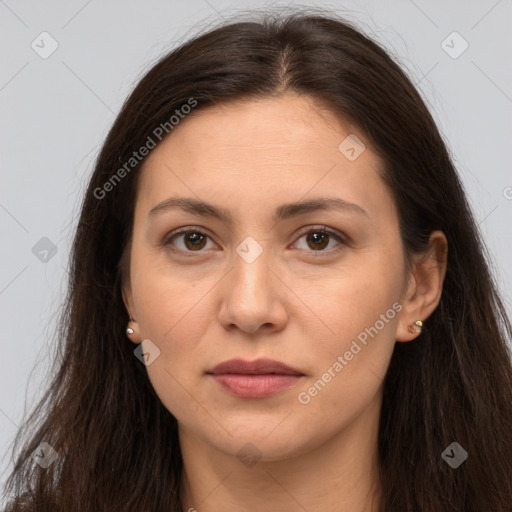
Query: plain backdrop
(67, 67)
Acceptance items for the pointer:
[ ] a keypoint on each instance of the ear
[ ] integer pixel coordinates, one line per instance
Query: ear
(424, 287)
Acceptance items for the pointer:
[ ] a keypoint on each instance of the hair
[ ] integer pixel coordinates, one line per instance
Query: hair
(118, 445)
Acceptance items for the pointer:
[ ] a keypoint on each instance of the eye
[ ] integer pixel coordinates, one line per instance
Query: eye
(318, 239)
(193, 240)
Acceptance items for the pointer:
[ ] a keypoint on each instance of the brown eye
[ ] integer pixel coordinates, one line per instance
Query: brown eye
(318, 239)
(192, 241)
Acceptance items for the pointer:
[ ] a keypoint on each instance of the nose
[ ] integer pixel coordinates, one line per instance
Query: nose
(253, 296)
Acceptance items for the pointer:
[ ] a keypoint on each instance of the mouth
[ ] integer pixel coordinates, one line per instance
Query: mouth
(254, 379)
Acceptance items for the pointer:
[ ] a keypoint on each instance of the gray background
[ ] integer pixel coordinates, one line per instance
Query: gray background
(56, 111)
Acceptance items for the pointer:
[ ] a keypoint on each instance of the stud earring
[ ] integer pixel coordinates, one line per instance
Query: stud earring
(129, 330)
(416, 327)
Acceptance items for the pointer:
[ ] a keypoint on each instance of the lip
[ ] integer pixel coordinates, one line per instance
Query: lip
(254, 379)
(257, 367)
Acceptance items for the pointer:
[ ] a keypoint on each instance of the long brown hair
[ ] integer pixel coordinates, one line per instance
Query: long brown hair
(117, 444)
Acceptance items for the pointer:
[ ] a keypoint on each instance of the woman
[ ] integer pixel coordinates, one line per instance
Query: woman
(279, 298)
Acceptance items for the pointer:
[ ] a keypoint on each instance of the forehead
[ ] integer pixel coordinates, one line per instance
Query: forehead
(272, 123)
(260, 149)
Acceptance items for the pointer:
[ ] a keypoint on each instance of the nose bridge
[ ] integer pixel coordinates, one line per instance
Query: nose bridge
(250, 266)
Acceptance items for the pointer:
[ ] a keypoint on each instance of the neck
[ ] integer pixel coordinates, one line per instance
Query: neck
(340, 474)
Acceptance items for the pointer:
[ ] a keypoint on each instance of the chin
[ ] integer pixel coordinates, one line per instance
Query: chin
(258, 440)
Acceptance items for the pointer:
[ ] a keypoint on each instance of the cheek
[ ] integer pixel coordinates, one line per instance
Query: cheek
(176, 329)
(168, 300)
(349, 368)
(351, 356)
(172, 314)
(350, 299)
(176, 321)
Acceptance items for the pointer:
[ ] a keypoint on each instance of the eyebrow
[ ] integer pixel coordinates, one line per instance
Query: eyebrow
(283, 212)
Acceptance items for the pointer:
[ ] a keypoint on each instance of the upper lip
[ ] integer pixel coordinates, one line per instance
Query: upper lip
(257, 367)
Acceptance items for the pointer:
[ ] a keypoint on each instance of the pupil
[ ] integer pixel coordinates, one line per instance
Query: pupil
(315, 238)
(195, 239)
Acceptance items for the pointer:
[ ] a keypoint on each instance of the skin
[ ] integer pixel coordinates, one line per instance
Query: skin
(300, 302)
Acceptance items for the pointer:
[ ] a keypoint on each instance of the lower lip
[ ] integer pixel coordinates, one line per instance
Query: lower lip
(255, 386)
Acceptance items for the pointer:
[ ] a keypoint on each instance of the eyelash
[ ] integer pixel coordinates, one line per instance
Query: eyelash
(319, 229)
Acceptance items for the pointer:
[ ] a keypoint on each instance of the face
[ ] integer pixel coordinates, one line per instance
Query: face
(318, 289)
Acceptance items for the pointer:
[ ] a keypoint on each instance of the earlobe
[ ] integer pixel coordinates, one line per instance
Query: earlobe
(416, 326)
(413, 331)
(132, 327)
(132, 331)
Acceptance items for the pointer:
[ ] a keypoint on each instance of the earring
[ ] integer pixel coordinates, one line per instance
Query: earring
(418, 324)
(129, 330)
